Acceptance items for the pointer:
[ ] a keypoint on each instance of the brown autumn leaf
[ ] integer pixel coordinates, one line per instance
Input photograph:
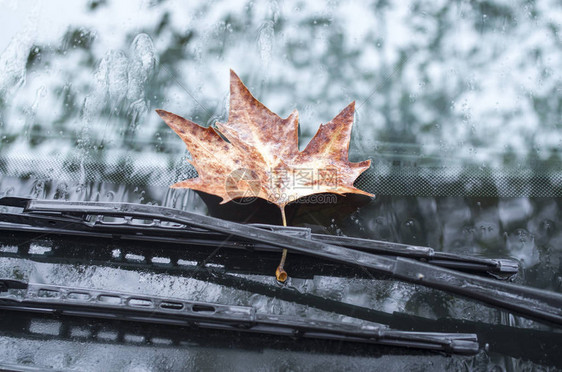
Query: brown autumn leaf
(261, 157)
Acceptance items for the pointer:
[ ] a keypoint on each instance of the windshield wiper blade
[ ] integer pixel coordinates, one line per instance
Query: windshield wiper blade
(155, 231)
(540, 305)
(116, 305)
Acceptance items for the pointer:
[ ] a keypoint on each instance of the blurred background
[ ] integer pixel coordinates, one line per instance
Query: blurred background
(463, 91)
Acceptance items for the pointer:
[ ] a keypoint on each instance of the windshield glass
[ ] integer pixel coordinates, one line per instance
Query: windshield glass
(458, 106)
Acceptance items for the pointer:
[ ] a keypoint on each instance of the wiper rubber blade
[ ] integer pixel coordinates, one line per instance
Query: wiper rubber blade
(541, 305)
(116, 305)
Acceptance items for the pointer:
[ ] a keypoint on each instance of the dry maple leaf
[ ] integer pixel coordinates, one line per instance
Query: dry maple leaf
(260, 156)
(262, 150)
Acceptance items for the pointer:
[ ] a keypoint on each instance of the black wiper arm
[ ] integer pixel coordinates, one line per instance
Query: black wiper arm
(498, 266)
(155, 231)
(530, 302)
(85, 302)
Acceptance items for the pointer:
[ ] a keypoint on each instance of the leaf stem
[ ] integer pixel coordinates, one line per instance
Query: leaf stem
(280, 273)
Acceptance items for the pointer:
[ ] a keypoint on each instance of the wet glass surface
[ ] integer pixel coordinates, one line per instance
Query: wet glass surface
(458, 107)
